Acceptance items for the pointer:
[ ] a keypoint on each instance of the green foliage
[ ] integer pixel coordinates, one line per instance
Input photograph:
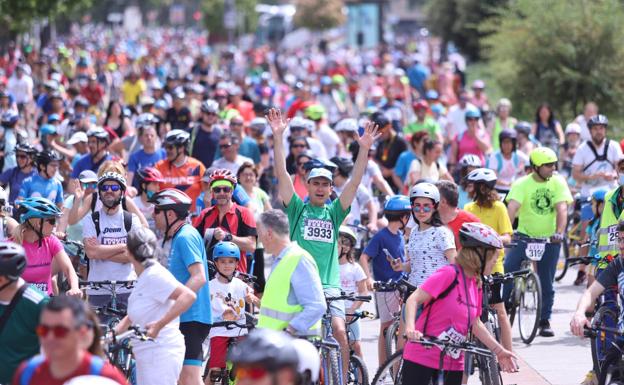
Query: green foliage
(19, 15)
(319, 14)
(565, 52)
(213, 15)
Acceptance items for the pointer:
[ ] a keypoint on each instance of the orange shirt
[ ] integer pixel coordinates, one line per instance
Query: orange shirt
(185, 178)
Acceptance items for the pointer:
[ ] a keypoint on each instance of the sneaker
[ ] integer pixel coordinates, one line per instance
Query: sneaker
(545, 329)
(580, 278)
(590, 378)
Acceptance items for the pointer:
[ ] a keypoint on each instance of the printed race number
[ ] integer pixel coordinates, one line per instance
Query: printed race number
(535, 251)
(318, 230)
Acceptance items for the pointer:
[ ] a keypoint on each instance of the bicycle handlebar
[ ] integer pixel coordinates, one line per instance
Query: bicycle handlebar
(349, 297)
(401, 285)
(594, 330)
(98, 285)
(492, 280)
(229, 325)
(447, 344)
(134, 331)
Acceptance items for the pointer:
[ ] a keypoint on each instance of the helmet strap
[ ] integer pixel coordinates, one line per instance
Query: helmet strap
(227, 277)
(11, 281)
(483, 258)
(536, 169)
(39, 231)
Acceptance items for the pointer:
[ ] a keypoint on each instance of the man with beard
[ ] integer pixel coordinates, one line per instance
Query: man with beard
(98, 141)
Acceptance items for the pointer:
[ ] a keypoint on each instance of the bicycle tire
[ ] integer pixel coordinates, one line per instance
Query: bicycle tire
(390, 372)
(358, 373)
(391, 334)
(514, 299)
(612, 367)
(489, 372)
(600, 344)
(531, 288)
(560, 271)
(335, 367)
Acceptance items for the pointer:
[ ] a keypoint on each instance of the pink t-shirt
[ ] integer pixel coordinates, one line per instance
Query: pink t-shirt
(468, 145)
(39, 268)
(449, 318)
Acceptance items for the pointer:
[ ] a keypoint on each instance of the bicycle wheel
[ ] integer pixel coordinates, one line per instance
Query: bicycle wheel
(390, 372)
(489, 372)
(334, 375)
(514, 299)
(600, 344)
(562, 262)
(358, 373)
(530, 307)
(392, 335)
(612, 372)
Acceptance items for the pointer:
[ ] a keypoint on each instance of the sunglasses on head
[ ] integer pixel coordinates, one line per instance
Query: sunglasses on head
(418, 208)
(89, 185)
(58, 331)
(221, 189)
(253, 372)
(111, 187)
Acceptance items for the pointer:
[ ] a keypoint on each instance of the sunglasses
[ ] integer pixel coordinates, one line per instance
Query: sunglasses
(21, 156)
(252, 373)
(298, 146)
(473, 119)
(225, 145)
(210, 113)
(235, 124)
(111, 187)
(224, 189)
(169, 146)
(51, 221)
(89, 185)
(418, 208)
(57, 331)
(549, 164)
(301, 164)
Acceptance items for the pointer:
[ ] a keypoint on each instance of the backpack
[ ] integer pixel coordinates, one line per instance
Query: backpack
(598, 158)
(127, 219)
(499, 161)
(95, 368)
(442, 295)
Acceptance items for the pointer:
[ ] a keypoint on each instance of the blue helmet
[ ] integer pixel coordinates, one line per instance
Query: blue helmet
(37, 207)
(398, 204)
(472, 113)
(225, 250)
(47, 129)
(599, 195)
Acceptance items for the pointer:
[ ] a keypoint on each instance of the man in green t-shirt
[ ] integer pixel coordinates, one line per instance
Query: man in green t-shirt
(314, 225)
(18, 340)
(424, 122)
(540, 201)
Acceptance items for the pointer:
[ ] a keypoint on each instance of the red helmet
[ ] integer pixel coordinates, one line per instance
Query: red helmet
(150, 174)
(421, 104)
(223, 174)
(171, 198)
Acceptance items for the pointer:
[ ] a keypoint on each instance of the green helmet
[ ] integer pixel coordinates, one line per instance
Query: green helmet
(315, 112)
(347, 232)
(541, 156)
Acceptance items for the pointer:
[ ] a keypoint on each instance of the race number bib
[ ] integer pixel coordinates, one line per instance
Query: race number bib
(613, 235)
(319, 230)
(535, 251)
(43, 286)
(453, 336)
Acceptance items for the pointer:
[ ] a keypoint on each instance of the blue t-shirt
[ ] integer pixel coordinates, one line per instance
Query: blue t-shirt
(250, 149)
(86, 163)
(37, 186)
(206, 146)
(141, 159)
(463, 198)
(403, 164)
(187, 248)
(14, 178)
(395, 244)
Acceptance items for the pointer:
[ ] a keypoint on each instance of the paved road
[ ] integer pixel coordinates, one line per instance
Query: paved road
(562, 360)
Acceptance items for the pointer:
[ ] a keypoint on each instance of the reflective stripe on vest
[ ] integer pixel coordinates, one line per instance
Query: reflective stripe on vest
(607, 234)
(275, 311)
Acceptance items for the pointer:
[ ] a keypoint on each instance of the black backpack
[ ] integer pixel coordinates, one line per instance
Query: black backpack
(127, 219)
(599, 158)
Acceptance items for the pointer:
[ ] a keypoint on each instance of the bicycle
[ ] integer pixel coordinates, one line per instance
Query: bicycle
(391, 333)
(358, 372)
(111, 313)
(391, 371)
(571, 245)
(118, 349)
(612, 369)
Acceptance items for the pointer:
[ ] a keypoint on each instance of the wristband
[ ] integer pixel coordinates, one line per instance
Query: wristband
(228, 237)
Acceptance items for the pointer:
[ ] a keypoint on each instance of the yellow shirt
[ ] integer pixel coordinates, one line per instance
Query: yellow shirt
(132, 91)
(497, 218)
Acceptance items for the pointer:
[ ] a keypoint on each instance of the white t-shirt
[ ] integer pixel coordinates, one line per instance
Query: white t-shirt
(147, 210)
(372, 169)
(112, 232)
(457, 119)
(227, 301)
(329, 138)
(362, 197)
(509, 171)
(350, 275)
(425, 250)
(232, 166)
(585, 135)
(21, 89)
(584, 156)
(431, 172)
(150, 301)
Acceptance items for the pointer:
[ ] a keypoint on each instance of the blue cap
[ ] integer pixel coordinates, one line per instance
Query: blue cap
(320, 173)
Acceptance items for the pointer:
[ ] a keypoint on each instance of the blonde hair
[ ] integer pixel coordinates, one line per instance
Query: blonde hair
(111, 166)
(470, 261)
(18, 232)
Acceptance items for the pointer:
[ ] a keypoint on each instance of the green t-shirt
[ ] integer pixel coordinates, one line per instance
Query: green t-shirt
(537, 216)
(315, 229)
(429, 125)
(18, 340)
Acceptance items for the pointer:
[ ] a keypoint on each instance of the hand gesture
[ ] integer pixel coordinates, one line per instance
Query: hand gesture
(78, 191)
(578, 324)
(277, 122)
(153, 328)
(507, 361)
(219, 234)
(370, 135)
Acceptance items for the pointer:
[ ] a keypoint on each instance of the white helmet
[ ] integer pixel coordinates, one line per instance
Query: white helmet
(474, 234)
(171, 198)
(347, 125)
(309, 358)
(3, 197)
(470, 160)
(425, 190)
(573, 128)
(91, 380)
(482, 175)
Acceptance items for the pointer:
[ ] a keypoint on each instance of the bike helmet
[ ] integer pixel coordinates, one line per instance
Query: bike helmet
(599, 195)
(99, 133)
(10, 118)
(345, 165)
(507, 134)
(541, 156)
(347, 125)
(398, 204)
(149, 174)
(470, 160)
(346, 231)
(172, 199)
(258, 124)
(177, 138)
(225, 249)
(46, 156)
(598, 120)
(425, 190)
(473, 234)
(573, 128)
(269, 348)
(432, 95)
(298, 123)
(472, 113)
(114, 177)
(523, 128)
(25, 148)
(420, 105)
(223, 174)
(47, 129)
(314, 112)
(4, 197)
(12, 260)
(37, 207)
(482, 175)
(210, 106)
(146, 119)
(309, 365)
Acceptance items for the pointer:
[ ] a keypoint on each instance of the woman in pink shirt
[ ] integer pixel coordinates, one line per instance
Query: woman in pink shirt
(455, 314)
(475, 140)
(45, 255)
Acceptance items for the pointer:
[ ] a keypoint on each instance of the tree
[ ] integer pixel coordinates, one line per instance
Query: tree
(565, 52)
(214, 10)
(18, 15)
(319, 14)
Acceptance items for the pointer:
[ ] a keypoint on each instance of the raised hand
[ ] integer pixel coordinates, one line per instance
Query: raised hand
(277, 122)
(370, 135)
(78, 191)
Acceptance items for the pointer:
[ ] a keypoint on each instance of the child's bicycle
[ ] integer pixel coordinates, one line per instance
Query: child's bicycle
(358, 372)
(404, 289)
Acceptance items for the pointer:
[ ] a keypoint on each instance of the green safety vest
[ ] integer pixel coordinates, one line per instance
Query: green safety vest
(607, 232)
(275, 311)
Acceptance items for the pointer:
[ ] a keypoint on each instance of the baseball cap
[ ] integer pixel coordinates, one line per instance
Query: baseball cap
(77, 138)
(87, 176)
(320, 173)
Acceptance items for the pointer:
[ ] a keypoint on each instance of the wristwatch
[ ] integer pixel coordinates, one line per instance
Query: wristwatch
(228, 237)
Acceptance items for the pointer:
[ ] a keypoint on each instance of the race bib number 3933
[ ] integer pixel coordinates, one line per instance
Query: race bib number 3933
(318, 230)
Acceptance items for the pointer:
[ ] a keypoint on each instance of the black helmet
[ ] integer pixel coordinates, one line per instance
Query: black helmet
(26, 148)
(46, 156)
(523, 128)
(598, 120)
(12, 260)
(507, 134)
(345, 165)
(177, 138)
(270, 348)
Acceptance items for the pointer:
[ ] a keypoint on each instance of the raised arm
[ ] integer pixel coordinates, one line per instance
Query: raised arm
(278, 125)
(369, 137)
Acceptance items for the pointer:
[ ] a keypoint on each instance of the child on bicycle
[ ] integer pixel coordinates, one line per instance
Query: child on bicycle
(591, 237)
(352, 281)
(228, 296)
(388, 241)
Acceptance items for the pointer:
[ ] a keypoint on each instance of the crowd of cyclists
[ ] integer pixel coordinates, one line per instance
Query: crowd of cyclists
(185, 171)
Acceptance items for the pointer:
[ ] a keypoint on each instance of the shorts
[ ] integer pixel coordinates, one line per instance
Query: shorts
(354, 331)
(496, 294)
(159, 365)
(336, 308)
(194, 335)
(218, 351)
(586, 210)
(388, 303)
